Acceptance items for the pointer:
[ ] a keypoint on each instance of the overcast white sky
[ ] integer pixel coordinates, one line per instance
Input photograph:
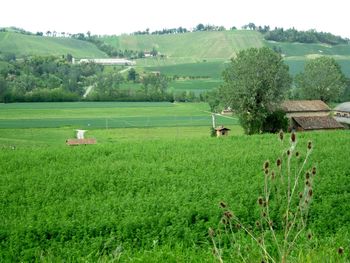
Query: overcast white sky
(126, 16)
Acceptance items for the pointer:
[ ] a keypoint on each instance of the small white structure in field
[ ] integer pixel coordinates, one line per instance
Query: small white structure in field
(80, 134)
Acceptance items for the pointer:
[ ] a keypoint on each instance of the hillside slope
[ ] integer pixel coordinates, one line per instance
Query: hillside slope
(193, 45)
(20, 44)
(296, 54)
(189, 52)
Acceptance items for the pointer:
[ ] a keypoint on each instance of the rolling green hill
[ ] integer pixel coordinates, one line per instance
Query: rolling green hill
(182, 50)
(188, 54)
(194, 45)
(20, 44)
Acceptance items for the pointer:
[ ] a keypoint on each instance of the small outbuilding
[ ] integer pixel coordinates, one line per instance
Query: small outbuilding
(222, 131)
(309, 115)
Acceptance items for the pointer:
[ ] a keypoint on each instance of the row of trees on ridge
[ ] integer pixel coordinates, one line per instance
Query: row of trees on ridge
(280, 34)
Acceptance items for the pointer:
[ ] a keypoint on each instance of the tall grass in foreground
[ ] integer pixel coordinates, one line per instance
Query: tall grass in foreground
(284, 208)
(141, 199)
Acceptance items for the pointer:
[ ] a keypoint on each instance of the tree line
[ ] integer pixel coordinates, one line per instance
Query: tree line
(49, 78)
(181, 30)
(310, 36)
(280, 34)
(43, 79)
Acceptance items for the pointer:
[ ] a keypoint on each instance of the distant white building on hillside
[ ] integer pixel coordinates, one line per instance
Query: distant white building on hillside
(108, 61)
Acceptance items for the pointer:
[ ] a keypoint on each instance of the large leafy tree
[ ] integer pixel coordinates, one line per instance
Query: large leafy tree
(322, 79)
(155, 84)
(255, 83)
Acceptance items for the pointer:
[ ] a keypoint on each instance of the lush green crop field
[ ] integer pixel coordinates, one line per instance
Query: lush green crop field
(21, 45)
(195, 85)
(154, 200)
(95, 115)
(57, 136)
(201, 69)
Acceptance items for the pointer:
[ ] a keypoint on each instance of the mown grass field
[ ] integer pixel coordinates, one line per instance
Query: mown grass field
(201, 69)
(196, 85)
(134, 197)
(20, 123)
(24, 45)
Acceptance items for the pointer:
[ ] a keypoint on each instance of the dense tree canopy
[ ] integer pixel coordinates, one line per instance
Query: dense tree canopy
(322, 79)
(43, 79)
(255, 82)
(52, 78)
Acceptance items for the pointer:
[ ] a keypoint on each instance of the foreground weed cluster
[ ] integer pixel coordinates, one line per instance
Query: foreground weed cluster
(283, 206)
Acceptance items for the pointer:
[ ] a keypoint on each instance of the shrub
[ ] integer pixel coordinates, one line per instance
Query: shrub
(275, 121)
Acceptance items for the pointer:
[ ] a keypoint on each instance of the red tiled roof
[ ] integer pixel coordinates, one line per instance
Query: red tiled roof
(317, 123)
(222, 128)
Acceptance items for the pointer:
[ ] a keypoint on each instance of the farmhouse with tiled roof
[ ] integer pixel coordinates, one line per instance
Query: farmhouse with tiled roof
(306, 115)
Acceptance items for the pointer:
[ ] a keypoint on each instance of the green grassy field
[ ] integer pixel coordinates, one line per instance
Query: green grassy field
(97, 115)
(196, 85)
(201, 69)
(179, 85)
(23, 45)
(154, 200)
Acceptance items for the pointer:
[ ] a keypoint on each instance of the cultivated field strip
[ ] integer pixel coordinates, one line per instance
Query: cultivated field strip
(120, 122)
(97, 115)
